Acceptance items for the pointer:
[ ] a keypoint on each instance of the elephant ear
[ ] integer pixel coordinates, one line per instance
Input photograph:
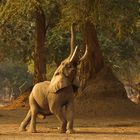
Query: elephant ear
(59, 81)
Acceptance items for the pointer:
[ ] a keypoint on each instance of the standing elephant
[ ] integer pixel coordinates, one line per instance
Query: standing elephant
(51, 96)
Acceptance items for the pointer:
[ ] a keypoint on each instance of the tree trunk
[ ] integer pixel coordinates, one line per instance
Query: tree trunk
(93, 72)
(93, 62)
(39, 56)
(101, 94)
(94, 52)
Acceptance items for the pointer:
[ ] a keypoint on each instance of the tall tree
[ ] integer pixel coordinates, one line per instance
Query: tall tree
(43, 23)
(39, 58)
(42, 14)
(93, 61)
(91, 16)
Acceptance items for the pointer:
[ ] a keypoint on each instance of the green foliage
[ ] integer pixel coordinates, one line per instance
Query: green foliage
(57, 45)
(51, 69)
(16, 42)
(15, 10)
(16, 30)
(15, 75)
(116, 22)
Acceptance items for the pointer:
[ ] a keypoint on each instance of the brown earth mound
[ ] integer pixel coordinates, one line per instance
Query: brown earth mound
(105, 96)
(109, 107)
(105, 85)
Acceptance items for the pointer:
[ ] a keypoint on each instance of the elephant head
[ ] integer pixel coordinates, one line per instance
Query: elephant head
(65, 73)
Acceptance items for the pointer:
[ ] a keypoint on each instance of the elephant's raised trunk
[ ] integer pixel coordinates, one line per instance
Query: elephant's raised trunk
(73, 39)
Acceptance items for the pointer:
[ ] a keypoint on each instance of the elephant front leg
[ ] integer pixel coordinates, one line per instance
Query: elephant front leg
(70, 117)
(60, 116)
(62, 119)
(32, 128)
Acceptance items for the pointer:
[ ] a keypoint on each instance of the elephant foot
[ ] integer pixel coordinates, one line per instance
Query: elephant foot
(70, 131)
(21, 129)
(32, 131)
(61, 130)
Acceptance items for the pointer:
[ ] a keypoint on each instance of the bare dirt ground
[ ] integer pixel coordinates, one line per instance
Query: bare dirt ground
(85, 128)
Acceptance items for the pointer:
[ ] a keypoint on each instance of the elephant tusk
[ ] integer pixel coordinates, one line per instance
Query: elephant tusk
(85, 54)
(74, 54)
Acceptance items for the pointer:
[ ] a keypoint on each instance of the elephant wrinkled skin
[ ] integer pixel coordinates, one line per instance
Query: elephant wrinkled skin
(52, 96)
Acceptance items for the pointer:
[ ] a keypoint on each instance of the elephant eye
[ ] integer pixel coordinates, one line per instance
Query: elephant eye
(62, 63)
(68, 66)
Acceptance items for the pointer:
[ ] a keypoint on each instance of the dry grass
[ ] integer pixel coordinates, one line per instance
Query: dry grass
(20, 102)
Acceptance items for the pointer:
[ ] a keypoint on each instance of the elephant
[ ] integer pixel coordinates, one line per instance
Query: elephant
(54, 96)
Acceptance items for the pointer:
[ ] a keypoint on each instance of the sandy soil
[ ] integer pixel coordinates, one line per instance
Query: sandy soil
(85, 128)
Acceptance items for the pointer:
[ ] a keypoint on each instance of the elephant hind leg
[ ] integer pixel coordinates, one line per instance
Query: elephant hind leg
(25, 122)
(34, 112)
(32, 128)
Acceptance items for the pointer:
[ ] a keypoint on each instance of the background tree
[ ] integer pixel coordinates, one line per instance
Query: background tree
(39, 58)
(44, 20)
